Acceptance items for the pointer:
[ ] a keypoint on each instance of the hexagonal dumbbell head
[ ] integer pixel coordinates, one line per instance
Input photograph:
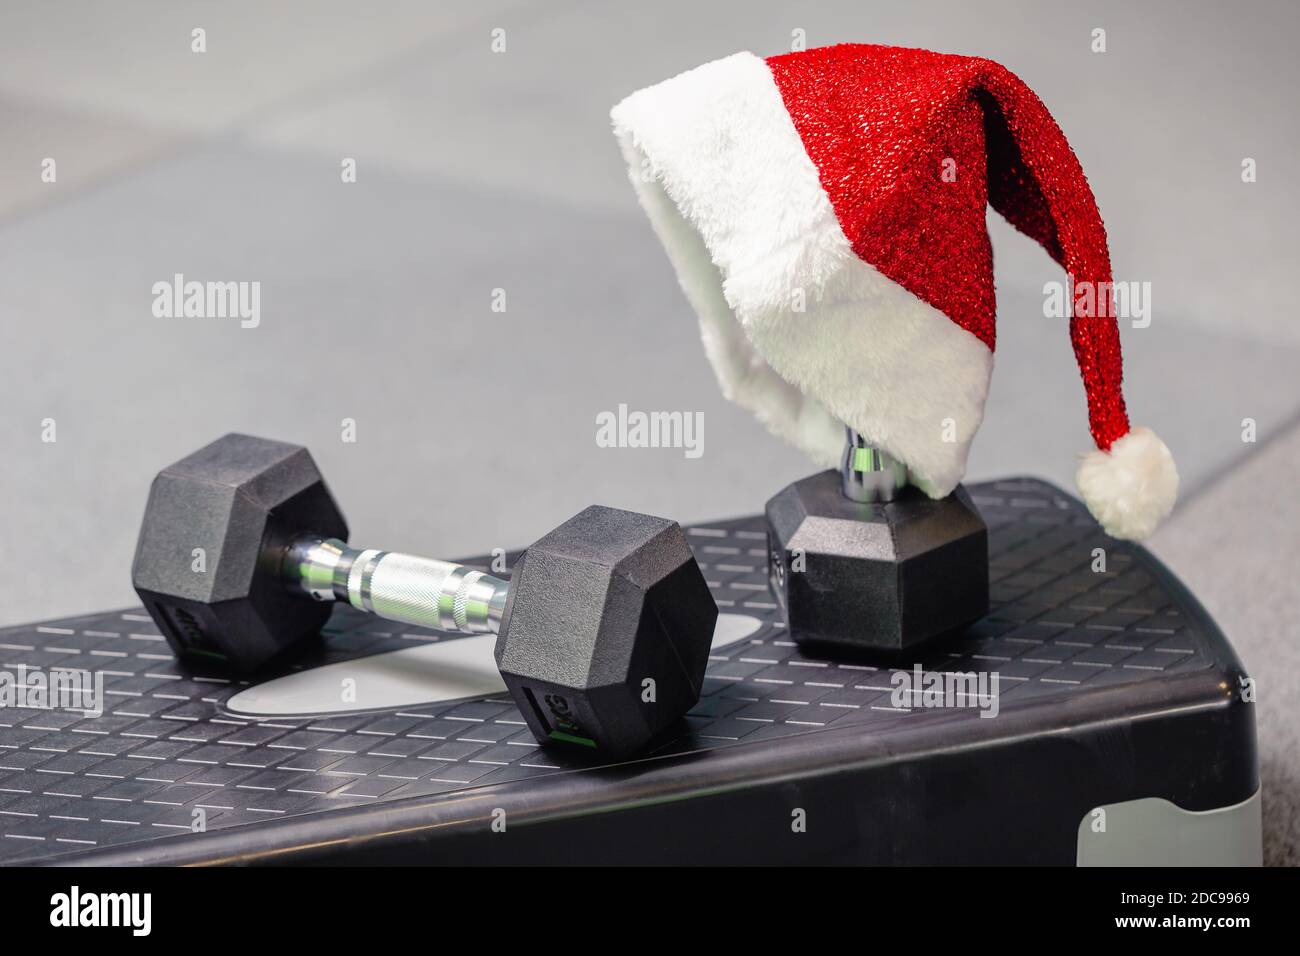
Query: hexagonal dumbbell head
(606, 630)
(214, 532)
(883, 577)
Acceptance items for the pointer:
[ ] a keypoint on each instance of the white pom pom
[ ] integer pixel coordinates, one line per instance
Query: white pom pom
(1131, 488)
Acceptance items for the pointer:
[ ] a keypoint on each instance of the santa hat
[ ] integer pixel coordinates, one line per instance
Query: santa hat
(825, 213)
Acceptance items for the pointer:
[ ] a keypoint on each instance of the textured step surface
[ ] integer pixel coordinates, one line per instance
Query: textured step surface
(165, 748)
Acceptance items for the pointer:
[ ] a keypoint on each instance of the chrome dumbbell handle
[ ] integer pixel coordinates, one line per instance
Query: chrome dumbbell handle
(868, 474)
(424, 592)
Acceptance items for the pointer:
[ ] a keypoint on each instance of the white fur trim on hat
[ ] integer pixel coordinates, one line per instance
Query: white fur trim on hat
(798, 328)
(1131, 488)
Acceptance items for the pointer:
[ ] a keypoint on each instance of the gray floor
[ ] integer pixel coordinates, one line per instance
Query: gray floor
(1235, 546)
(480, 171)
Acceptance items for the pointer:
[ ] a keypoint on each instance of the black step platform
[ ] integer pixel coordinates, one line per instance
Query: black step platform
(1114, 687)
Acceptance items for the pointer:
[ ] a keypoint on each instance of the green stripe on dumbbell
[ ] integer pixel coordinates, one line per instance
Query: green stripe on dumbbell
(866, 459)
(572, 739)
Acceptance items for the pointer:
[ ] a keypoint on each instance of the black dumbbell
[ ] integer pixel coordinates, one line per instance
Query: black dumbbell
(861, 561)
(603, 630)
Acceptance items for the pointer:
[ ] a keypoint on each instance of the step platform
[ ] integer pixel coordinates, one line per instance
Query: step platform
(1120, 730)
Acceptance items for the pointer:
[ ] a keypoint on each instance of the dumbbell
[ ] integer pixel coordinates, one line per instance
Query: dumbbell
(861, 561)
(603, 631)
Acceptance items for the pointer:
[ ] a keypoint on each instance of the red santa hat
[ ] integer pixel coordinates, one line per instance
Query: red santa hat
(825, 213)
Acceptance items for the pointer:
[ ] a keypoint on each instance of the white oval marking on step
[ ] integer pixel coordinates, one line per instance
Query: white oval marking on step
(431, 673)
